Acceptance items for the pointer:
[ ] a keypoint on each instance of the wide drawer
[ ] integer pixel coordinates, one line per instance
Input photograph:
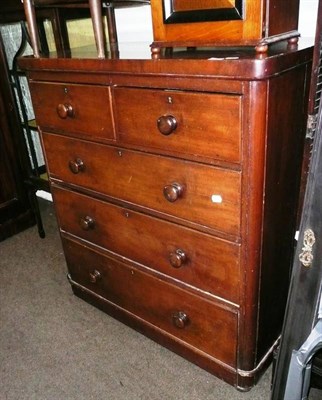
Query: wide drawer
(208, 125)
(203, 261)
(71, 108)
(205, 325)
(202, 194)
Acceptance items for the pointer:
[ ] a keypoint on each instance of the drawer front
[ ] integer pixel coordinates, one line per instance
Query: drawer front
(201, 194)
(195, 321)
(208, 125)
(80, 109)
(198, 259)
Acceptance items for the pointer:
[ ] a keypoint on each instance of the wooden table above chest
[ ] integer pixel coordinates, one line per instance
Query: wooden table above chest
(175, 183)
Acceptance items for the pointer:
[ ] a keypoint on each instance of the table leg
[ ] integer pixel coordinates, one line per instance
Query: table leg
(96, 14)
(32, 24)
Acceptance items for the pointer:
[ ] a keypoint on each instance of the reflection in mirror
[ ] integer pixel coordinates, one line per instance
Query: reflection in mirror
(183, 11)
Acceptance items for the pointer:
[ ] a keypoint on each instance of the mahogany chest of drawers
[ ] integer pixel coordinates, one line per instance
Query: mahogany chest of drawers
(175, 183)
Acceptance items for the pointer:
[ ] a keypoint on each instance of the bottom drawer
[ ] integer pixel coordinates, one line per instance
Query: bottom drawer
(202, 324)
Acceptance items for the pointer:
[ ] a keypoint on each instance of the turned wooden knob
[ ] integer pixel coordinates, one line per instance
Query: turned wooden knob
(167, 124)
(173, 192)
(180, 319)
(87, 223)
(76, 166)
(94, 276)
(177, 258)
(65, 110)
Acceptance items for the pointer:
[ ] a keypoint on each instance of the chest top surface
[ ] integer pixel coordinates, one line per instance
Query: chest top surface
(135, 58)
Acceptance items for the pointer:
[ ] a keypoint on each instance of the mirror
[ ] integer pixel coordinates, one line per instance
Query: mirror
(183, 11)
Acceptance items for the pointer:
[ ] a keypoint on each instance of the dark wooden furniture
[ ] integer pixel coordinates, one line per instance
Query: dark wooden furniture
(15, 205)
(23, 131)
(12, 11)
(175, 183)
(302, 331)
(19, 157)
(61, 7)
(299, 361)
(178, 23)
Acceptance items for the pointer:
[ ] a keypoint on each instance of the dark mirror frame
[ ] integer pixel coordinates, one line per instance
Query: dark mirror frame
(170, 16)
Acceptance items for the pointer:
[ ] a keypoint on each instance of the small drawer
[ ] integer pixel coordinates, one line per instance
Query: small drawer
(75, 109)
(202, 124)
(201, 194)
(208, 326)
(200, 260)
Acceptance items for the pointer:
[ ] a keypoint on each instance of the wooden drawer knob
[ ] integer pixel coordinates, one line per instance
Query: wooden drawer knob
(94, 276)
(173, 192)
(167, 124)
(177, 258)
(76, 166)
(87, 223)
(180, 319)
(65, 110)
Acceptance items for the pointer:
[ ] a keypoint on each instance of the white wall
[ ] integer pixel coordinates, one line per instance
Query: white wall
(135, 24)
(308, 15)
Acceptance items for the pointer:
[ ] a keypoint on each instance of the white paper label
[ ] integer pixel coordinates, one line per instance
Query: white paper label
(216, 198)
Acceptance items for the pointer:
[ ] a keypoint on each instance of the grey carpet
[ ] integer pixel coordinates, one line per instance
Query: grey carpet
(54, 346)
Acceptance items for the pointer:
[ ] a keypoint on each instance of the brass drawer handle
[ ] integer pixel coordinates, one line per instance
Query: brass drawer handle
(167, 124)
(180, 319)
(76, 166)
(178, 258)
(95, 276)
(65, 110)
(87, 223)
(173, 192)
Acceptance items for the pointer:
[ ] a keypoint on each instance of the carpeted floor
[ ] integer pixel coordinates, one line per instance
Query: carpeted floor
(54, 346)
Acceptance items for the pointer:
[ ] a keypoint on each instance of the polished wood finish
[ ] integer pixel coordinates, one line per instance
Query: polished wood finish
(59, 7)
(206, 273)
(32, 25)
(123, 174)
(262, 23)
(183, 118)
(176, 251)
(159, 303)
(74, 108)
